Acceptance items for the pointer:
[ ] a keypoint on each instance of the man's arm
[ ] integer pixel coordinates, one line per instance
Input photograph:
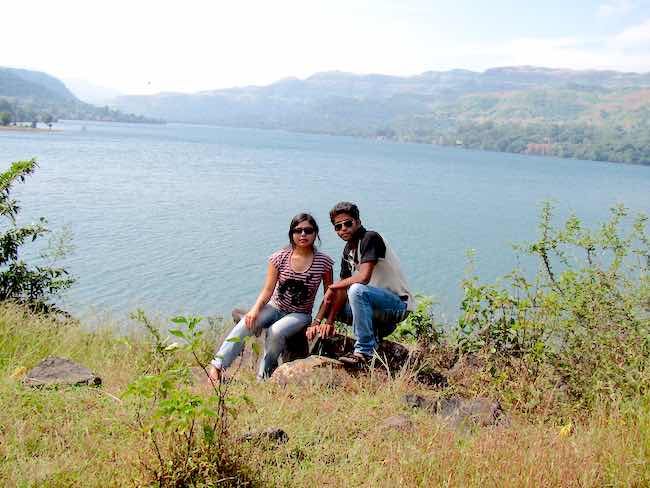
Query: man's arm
(362, 276)
(322, 309)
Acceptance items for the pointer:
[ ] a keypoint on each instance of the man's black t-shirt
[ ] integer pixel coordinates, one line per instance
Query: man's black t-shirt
(370, 245)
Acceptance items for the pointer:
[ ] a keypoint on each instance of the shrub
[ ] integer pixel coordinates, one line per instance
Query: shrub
(34, 286)
(582, 321)
(186, 431)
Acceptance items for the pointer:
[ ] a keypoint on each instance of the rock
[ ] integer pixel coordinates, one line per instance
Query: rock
(398, 422)
(417, 401)
(459, 411)
(466, 370)
(274, 434)
(431, 378)
(394, 354)
(297, 348)
(55, 371)
(311, 370)
(479, 411)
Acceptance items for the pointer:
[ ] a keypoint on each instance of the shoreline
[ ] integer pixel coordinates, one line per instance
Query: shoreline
(14, 128)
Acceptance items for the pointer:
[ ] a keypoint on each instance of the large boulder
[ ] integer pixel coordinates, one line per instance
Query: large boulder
(56, 371)
(459, 411)
(312, 370)
(392, 354)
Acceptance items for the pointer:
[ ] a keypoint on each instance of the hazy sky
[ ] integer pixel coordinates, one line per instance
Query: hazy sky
(141, 46)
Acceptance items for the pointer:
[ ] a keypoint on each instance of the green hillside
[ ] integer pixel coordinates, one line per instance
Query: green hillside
(27, 96)
(599, 115)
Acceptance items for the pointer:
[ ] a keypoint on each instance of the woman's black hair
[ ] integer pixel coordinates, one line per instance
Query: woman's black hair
(302, 217)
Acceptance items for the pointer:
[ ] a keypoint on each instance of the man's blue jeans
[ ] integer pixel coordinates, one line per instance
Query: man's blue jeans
(374, 313)
(279, 326)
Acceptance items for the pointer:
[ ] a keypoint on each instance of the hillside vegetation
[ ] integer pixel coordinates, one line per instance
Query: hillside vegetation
(600, 115)
(28, 96)
(566, 353)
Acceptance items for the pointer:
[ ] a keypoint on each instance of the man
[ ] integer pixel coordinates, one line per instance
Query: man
(372, 294)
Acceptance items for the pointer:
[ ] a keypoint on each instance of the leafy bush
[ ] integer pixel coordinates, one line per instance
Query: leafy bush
(19, 282)
(420, 324)
(186, 431)
(583, 321)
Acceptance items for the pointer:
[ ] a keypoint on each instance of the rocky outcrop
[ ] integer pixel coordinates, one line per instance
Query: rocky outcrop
(56, 371)
(312, 370)
(273, 434)
(460, 411)
(392, 354)
(466, 370)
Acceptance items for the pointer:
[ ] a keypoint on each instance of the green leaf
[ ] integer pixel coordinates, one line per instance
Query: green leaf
(234, 339)
(177, 333)
(179, 319)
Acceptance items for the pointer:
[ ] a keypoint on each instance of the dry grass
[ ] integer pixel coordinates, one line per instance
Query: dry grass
(86, 437)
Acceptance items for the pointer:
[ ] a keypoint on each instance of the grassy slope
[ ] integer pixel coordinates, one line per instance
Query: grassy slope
(87, 436)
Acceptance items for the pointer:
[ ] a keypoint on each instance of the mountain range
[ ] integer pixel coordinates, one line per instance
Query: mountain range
(27, 96)
(584, 114)
(588, 114)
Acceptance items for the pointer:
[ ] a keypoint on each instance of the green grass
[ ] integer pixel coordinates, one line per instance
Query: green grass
(89, 437)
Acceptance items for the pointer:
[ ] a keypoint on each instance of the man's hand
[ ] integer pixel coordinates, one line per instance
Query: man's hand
(250, 318)
(326, 330)
(337, 285)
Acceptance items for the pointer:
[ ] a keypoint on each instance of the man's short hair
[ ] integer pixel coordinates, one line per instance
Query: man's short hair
(344, 208)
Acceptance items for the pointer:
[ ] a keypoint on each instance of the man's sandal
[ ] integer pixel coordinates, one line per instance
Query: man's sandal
(356, 360)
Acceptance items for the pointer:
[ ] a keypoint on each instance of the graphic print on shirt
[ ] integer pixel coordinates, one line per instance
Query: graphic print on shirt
(294, 290)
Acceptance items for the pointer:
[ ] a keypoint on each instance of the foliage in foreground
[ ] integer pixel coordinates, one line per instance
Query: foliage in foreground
(186, 430)
(88, 436)
(579, 330)
(34, 286)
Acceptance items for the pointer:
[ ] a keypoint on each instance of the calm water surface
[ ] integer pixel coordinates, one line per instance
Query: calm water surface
(181, 218)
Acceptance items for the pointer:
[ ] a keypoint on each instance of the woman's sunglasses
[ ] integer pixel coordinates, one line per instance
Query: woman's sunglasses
(339, 225)
(303, 230)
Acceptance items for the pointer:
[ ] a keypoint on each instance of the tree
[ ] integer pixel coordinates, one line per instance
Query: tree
(30, 285)
(47, 119)
(5, 118)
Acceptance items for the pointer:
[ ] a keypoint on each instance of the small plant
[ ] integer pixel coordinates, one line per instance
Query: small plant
(420, 324)
(33, 286)
(186, 431)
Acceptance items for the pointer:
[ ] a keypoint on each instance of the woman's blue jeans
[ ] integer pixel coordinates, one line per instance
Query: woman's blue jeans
(279, 326)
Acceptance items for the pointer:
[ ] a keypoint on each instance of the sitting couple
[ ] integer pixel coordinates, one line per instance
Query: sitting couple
(372, 294)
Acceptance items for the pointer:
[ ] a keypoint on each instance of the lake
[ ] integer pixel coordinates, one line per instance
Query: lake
(181, 218)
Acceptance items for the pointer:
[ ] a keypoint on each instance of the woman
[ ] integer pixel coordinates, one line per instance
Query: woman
(284, 305)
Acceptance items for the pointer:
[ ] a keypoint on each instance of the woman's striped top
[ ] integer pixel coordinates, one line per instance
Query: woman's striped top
(295, 292)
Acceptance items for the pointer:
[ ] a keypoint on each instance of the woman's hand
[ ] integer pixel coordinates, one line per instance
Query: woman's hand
(250, 318)
(311, 332)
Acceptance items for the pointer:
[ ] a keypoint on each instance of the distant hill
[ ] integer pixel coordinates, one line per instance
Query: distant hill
(588, 114)
(32, 95)
(91, 93)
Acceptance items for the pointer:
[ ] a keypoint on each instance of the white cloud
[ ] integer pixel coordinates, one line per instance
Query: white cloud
(615, 7)
(637, 34)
